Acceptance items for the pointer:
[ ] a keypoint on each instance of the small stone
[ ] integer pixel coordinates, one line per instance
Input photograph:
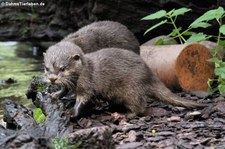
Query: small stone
(157, 112)
(165, 133)
(220, 107)
(194, 113)
(220, 98)
(126, 128)
(130, 127)
(132, 136)
(132, 145)
(194, 98)
(201, 94)
(174, 119)
(155, 138)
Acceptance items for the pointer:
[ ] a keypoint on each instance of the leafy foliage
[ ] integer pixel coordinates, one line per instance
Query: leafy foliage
(168, 18)
(62, 143)
(201, 22)
(157, 15)
(155, 26)
(38, 115)
(197, 37)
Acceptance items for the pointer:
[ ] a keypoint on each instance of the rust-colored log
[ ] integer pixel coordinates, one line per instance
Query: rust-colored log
(183, 66)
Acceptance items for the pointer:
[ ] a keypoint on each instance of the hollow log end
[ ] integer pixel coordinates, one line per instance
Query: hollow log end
(192, 68)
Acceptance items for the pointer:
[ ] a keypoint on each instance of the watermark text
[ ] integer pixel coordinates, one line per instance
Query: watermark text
(22, 4)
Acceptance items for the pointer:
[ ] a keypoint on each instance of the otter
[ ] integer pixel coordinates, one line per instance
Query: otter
(98, 35)
(104, 34)
(117, 75)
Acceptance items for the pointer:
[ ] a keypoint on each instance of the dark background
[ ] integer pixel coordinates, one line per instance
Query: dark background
(58, 18)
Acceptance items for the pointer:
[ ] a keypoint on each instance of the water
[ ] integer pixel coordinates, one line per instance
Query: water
(18, 61)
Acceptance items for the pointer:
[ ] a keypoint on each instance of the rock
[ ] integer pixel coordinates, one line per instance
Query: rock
(174, 119)
(126, 128)
(200, 94)
(157, 112)
(17, 115)
(96, 137)
(218, 99)
(193, 115)
(8, 81)
(132, 136)
(132, 145)
(220, 107)
(165, 133)
(155, 138)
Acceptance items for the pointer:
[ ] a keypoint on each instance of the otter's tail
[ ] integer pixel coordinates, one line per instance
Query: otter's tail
(165, 95)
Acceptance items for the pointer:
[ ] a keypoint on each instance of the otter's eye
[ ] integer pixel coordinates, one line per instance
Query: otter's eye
(62, 69)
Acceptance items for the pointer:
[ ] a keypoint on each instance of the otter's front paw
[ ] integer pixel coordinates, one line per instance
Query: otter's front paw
(60, 93)
(55, 95)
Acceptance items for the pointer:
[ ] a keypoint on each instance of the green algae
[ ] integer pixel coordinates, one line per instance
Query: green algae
(19, 68)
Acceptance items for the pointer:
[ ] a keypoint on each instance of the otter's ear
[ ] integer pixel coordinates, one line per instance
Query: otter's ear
(76, 57)
(44, 54)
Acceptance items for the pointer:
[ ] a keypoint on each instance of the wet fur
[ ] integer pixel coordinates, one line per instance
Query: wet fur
(104, 34)
(117, 75)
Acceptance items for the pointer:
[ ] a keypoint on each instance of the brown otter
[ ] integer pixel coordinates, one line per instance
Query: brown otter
(98, 35)
(104, 34)
(118, 75)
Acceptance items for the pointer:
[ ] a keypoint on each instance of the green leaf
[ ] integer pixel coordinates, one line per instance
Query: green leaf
(165, 41)
(220, 71)
(159, 42)
(219, 12)
(200, 24)
(188, 33)
(180, 11)
(210, 15)
(214, 60)
(155, 26)
(221, 88)
(156, 15)
(222, 43)
(170, 12)
(38, 115)
(197, 37)
(222, 29)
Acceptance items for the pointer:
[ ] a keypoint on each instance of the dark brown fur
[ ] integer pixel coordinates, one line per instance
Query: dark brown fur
(118, 75)
(104, 34)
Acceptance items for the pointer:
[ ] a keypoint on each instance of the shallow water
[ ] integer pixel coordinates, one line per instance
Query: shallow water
(18, 61)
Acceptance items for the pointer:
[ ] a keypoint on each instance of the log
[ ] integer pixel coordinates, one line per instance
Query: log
(180, 66)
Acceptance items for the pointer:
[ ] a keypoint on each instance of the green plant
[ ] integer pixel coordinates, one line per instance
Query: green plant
(201, 22)
(62, 143)
(170, 18)
(38, 115)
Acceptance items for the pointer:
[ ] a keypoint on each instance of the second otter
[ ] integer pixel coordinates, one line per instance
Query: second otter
(104, 34)
(118, 75)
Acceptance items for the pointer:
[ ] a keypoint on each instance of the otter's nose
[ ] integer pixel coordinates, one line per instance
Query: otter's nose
(52, 78)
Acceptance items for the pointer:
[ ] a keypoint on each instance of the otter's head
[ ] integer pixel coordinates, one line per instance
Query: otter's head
(63, 63)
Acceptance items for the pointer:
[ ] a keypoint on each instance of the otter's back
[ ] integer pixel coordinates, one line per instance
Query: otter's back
(104, 34)
(115, 68)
